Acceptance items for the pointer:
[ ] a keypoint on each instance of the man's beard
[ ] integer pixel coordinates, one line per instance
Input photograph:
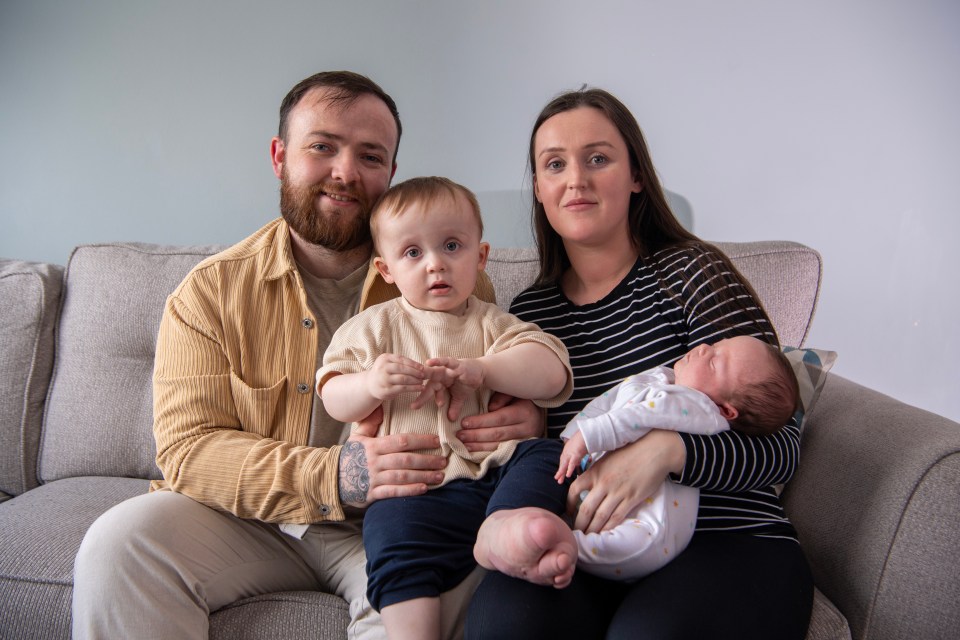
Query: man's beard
(331, 230)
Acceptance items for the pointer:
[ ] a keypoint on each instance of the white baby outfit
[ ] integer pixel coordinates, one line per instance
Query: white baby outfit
(662, 527)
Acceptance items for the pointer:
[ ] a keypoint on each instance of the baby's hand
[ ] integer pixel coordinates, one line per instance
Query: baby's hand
(573, 451)
(460, 377)
(392, 375)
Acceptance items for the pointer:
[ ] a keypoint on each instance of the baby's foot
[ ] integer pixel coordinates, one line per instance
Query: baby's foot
(528, 543)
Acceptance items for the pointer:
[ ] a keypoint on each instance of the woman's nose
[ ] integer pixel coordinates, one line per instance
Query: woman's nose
(575, 178)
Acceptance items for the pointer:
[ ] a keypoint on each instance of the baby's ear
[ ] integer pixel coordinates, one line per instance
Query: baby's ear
(383, 269)
(728, 411)
(484, 254)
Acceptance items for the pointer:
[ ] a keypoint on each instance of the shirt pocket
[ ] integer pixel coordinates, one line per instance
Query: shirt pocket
(257, 407)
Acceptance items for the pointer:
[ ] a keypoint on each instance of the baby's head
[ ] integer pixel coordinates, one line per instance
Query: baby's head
(750, 381)
(427, 236)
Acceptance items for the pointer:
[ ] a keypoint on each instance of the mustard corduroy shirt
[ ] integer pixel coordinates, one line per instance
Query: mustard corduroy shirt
(234, 385)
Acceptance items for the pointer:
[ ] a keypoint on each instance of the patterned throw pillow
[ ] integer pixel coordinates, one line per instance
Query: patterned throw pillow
(811, 367)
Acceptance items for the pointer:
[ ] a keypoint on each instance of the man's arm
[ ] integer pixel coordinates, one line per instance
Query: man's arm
(373, 468)
(213, 432)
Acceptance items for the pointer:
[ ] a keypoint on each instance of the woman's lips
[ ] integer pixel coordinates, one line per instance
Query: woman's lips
(578, 203)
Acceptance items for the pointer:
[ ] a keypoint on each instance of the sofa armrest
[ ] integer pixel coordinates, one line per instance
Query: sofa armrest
(875, 501)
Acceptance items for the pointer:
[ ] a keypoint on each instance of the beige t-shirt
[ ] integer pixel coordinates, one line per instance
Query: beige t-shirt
(400, 328)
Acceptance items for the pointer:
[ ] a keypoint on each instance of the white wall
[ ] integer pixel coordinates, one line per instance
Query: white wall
(829, 122)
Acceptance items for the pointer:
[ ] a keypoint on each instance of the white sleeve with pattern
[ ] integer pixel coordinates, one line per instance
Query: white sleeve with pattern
(640, 403)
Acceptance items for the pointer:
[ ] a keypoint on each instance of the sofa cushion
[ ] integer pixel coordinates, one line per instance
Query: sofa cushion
(810, 367)
(288, 614)
(99, 419)
(29, 299)
(786, 276)
(40, 532)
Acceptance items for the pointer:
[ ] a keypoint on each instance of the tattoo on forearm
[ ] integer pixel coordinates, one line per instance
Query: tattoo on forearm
(354, 475)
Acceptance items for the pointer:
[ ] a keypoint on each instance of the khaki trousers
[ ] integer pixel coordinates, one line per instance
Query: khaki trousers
(155, 566)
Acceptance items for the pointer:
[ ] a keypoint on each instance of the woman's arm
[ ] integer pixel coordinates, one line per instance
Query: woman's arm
(718, 304)
(621, 480)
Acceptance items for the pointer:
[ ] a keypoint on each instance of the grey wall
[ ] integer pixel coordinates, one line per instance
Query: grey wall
(833, 123)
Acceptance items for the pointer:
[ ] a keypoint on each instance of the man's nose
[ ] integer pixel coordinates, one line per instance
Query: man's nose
(344, 169)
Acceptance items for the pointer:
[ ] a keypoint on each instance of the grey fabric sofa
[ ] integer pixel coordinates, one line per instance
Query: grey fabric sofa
(876, 499)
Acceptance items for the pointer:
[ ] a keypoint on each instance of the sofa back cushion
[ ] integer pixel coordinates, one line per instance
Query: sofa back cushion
(99, 412)
(786, 276)
(29, 299)
(99, 418)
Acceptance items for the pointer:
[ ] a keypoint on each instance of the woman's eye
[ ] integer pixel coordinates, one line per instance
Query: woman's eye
(598, 159)
(554, 165)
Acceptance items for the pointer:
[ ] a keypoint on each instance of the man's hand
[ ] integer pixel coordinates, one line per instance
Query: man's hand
(372, 468)
(507, 419)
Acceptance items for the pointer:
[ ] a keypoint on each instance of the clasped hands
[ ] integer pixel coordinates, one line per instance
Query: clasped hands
(444, 380)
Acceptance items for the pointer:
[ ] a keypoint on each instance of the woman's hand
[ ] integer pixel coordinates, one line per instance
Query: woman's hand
(507, 418)
(621, 480)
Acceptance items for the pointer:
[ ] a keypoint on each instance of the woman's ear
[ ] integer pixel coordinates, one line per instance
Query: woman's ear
(637, 183)
(383, 269)
(536, 189)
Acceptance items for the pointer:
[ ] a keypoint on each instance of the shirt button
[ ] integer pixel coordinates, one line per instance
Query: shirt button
(324, 510)
(303, 387)
(307, 323)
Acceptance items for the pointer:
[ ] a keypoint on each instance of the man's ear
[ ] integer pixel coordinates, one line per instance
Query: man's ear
(278, 154)
(393, 171)
(383, 269)
(728, 411)
(484, 254)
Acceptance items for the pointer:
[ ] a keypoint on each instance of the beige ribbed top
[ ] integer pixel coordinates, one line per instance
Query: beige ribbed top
(398, 327)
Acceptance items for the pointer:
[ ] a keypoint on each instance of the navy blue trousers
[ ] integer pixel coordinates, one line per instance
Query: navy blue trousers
(422, 546)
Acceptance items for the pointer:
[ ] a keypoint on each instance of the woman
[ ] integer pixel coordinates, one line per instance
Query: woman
(625, 287)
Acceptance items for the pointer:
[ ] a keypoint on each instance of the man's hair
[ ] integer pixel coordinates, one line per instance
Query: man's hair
(767, 405)
(346, 87)
(426, 191)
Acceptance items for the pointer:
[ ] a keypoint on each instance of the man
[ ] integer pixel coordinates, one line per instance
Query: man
(249, 459)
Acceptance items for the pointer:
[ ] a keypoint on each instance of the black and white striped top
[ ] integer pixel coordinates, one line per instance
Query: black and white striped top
(653, 317)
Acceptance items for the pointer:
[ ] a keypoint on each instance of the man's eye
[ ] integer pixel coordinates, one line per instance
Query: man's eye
(373, 159)
(320, 146)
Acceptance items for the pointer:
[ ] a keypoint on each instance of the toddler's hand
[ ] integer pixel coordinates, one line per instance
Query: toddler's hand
(392, 375)
(461, 378)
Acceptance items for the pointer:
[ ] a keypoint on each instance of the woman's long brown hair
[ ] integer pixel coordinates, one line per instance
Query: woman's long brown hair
(653, 226)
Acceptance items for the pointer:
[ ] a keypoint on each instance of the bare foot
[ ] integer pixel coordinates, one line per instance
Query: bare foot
(528, 543)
